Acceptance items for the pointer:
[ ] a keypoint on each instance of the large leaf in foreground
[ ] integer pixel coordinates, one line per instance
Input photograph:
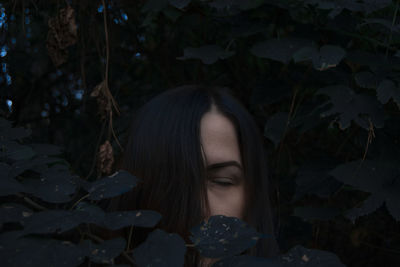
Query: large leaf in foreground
(160, 249)
(33, 252)
(246, 260)
(380, 178)
(105, 251)
(300, 256)
(107, 187)
(208, 54)
(223, 236)
(360, 108)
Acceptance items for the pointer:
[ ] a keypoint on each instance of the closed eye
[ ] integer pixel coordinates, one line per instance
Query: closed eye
(222, 181)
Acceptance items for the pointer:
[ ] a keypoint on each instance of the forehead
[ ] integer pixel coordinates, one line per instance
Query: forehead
(218, 138)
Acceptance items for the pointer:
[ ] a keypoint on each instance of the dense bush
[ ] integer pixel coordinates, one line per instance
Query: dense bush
(320, 77)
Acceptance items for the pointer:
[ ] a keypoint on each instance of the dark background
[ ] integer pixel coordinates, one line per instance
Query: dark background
(321, 78)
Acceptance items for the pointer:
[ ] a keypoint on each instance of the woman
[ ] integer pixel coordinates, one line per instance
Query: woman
(198, 153)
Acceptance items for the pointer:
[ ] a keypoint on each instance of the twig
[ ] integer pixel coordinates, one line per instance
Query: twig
(96, 150)
(31, 202)
(79, 200)
(129, 238)
(391, 28)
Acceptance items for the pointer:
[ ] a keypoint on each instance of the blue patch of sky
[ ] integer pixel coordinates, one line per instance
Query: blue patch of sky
(13, 40)
(141, 38)
(3, 17)
(9, 104)
(27, 20)
(44, 113)
(79, 94)
(137, 55)
(4, 67)
(65, 101)
(100, 9)
(116, 21)
(3, 51)
(8, 79)
(124, 15)
(26, 10)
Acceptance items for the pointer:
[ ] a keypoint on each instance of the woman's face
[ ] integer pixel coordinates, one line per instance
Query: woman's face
(225, 184)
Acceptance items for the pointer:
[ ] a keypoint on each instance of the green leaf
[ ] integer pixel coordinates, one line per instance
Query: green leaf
(208, 54)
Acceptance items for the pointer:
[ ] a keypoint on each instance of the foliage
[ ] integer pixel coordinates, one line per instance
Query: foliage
(321, 78)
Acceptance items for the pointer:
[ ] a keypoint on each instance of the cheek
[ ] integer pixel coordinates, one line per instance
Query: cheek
(226, 201)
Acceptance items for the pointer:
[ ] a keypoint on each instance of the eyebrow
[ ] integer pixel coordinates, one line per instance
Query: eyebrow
(224, 164)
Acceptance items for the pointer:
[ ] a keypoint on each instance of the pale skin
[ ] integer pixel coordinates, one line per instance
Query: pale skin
(225, 184)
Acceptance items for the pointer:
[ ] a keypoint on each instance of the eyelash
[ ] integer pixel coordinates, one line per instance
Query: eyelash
(221, 183)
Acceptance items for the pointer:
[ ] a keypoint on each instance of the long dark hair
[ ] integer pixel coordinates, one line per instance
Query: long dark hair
(164, 151)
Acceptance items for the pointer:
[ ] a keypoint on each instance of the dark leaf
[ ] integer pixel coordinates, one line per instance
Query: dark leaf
(12, 212)
(313, 178)
(23, 165)
(236, 4)
(160, 249)
(33, 252)
(371, 204)
(353, 107)
(46, 149)
(15, 151)
(116, 220)
(223, 236)
(51, 221)
(275, 127)
(179, 3)
(300, 256)
(53, 186)
(208, 54)
(246, 260)
(104, 252)
(329, 56)
(366, 79)
(154, 6)
(387, 90)
(117, 184)
(15, 134)
(316, 213)
(10, 186)
(305, 54)
(381, 178)
(279, 49)
(140, 218)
